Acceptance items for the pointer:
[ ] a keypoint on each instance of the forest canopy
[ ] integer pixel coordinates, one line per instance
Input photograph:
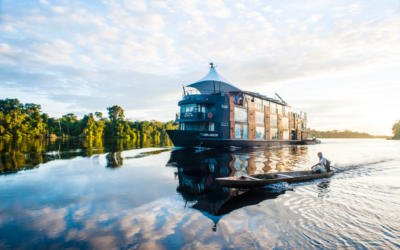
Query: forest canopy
(19, 120)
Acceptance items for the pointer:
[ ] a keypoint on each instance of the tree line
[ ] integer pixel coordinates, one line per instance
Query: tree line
(396, 130)
(341, 134)
(18, 120)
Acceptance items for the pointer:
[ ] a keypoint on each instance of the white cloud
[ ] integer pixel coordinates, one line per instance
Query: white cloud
(291, 20)
(43, 2)
(314, 18)
(240, 6)
(303, 28)
(222, 13)
(277, 12)
(86, 60)
(216, 8)
(57, 51)
(161, 5)
(108, 33)
(197, 25)
(137, 5)
(5, 49)
(8, 29)
(343, 23)
(355, 7)
(153, 22)
(122, 18)
(59, 9)
(252, 14)
(338, 15)
(268, 8)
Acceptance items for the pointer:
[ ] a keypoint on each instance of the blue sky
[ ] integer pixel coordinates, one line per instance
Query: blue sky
(337, 60)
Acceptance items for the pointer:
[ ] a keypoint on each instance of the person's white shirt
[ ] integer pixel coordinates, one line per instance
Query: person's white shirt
(322, 163)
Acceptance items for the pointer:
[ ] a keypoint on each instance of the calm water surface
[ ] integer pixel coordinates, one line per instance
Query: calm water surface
(125, 195)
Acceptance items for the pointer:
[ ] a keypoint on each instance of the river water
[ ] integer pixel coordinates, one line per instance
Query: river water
(125, 195)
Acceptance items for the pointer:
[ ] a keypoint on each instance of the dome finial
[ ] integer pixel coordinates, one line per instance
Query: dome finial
(212, 65)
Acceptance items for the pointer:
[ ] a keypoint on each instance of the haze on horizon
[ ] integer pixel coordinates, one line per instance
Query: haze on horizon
(338, 61)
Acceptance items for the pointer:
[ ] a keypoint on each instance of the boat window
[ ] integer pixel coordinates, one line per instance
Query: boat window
(240, 115)
(187, 108)
(273, 120)
(287, 110)
(260, 118)
(274, 134)
(260, 132)
(241, 131)
(192, 126)
(211, 126)
(182, 126)
(201, 108)
(285, 122)
(279, 109)
(286, 134)
(273, 108)
(258, 104)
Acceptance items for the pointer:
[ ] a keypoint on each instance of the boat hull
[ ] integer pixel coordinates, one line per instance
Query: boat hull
(185, 138)
(296, 176)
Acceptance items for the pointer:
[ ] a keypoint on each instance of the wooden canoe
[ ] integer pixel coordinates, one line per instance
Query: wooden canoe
(251, 181)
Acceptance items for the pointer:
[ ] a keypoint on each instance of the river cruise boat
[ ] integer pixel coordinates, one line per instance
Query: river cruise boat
(218, 114)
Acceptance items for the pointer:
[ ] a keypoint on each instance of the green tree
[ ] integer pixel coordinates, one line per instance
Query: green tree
(99, 115)
(396, 130)
(68, 120)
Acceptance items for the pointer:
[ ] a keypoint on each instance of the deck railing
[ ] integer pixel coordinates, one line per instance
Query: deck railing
(196, 92)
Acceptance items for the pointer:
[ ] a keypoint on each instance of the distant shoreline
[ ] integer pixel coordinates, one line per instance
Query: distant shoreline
(360, 138)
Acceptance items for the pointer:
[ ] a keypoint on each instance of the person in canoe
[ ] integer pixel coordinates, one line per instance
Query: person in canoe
(322, 167)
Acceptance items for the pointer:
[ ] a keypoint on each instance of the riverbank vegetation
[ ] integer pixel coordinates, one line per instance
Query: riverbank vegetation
(18, 120)
(341, 134)
(396, 130)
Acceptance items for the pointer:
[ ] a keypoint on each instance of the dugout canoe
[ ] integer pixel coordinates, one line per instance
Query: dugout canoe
(252, 181)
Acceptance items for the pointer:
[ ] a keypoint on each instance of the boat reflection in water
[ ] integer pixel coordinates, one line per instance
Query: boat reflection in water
(197, 170)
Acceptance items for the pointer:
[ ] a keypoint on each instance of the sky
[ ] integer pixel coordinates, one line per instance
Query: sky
(339, 61)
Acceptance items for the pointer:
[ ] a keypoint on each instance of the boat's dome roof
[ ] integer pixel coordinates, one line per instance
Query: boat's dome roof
(206, 84)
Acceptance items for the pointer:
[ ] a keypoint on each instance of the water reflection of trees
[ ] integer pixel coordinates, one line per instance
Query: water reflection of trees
(24, 154)
(114, 160)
